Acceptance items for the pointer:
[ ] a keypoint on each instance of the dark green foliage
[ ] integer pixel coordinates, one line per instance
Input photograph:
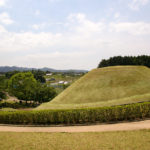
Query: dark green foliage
(10, 74)
(3, 82)
(2, 95)
(39, 75)
(65, 86)
(75, 116)
(126, 60)
(17, 105)
(3, 86)
(44, 93)
(22, 85)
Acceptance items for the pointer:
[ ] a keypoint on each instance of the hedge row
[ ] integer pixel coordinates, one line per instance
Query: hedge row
(17, 105)
(76, 116)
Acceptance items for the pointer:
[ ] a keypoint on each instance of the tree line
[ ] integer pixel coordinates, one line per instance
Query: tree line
(143, 60)
(28, 86)
(3, 87)
(38, 75)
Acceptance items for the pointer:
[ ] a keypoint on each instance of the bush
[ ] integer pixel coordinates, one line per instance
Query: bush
(76, 116)
(17, 105)
(2, 95)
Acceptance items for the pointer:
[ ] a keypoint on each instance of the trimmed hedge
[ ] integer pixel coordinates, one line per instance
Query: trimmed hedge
(77, 116)
(17, 105)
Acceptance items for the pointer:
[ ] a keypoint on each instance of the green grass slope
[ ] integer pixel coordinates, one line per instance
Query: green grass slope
(106, 86)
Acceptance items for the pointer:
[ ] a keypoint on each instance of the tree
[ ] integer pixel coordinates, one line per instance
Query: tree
(44, 93)
(10, 74)
(3, 87)
(22, 85)
(39, 75)
(25, 87)
(143, 60)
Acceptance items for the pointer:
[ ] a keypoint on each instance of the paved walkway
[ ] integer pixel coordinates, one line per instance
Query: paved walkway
(91, 128)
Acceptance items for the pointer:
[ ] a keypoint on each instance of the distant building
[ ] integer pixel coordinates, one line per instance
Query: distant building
(61, 82)
(77, 74)
(49, 74)
(66, 82)
(47, 79)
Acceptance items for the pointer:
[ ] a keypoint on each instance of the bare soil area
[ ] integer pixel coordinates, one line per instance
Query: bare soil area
(91, 128)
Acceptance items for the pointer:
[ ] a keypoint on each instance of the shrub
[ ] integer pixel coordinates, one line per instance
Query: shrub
(17, 105)
(76, 116)
(2, 95)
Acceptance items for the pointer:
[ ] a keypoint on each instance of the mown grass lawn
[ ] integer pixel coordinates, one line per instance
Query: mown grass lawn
(125, 140)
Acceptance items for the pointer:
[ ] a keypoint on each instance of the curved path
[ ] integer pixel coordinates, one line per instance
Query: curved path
(91, 128)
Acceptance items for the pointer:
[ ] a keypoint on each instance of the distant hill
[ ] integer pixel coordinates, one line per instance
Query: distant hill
(106, 86)
(14, 68)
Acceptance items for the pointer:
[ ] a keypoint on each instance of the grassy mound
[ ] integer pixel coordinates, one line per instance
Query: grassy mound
(106, 87)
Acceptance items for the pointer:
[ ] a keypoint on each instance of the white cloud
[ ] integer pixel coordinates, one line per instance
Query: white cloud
(136, 4)
(136, 28)
(117, 15)
(39, 26)
(5, 18)
(82, 45)
(58, 60)
(82, 34)
(2, 3)
(45, 25)
(2, 29)
(11, 41)
(85, 26)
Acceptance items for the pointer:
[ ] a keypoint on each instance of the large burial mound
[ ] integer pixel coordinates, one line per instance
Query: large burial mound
(109, 85)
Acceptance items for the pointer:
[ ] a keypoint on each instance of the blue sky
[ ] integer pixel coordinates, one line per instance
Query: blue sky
(72, 34)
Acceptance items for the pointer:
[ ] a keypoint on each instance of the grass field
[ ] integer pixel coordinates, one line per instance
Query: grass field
(105, 87)
(70, 78)
(122, 101)
(126, 140)
(60, 77)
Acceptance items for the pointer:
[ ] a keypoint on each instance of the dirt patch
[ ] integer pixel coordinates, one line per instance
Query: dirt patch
(92, 128)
